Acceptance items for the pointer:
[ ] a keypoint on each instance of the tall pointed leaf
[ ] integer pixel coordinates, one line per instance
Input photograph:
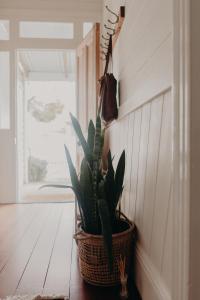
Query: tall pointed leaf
(96, 160)
(61, 186)
(110, 186)
(91, 136)
(75, 183)
(87, 189)
(97, 141)
(119, 177)
(81, 138)
(106, 229)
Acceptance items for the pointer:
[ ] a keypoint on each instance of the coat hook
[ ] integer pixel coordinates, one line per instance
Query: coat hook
(117, 17)
(109, 28)
(104, 53)
(104, 47)
(109, 34)
(113, 23)
(103, 37)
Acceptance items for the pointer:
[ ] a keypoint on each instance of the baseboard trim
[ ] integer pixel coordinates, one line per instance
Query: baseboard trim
(147, 275)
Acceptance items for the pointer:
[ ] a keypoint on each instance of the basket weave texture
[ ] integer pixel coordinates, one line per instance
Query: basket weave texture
(93, 259)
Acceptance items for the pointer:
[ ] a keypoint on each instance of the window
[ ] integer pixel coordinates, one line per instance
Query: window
(87, 26)
(4, 90)
(48, 30)
(4, 30)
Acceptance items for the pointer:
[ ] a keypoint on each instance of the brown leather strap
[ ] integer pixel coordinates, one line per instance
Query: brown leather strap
(108, 55)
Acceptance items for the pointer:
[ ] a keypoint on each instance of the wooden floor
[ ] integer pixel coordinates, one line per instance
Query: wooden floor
(38, 255)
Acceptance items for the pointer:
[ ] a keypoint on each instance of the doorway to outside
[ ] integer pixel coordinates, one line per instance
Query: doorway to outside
(45, 97)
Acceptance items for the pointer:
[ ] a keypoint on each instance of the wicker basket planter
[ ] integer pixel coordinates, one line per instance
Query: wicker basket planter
(93, 260)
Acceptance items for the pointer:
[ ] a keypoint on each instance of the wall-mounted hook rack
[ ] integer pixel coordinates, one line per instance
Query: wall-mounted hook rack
(109, 28)
(105, 46)
(113, 30)
(103, 37)
(113, 13)
(118, 26)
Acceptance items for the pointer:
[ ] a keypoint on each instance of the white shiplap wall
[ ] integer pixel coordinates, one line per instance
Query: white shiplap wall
(143, 66)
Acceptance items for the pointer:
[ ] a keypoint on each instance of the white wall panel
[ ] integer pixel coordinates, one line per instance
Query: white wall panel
(146, 135)
(143, 66)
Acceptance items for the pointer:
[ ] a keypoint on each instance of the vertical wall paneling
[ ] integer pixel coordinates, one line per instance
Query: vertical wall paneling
(146, 136)
(121, 142)
(152, 169)
(134, 165)
(162, 194)
(127, 181)
(144, 141)
(166, 266)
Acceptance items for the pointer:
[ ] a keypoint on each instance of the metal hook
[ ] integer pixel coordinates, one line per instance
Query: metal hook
(117, 17)
(104, 47)
(103, 37)
(104, 53)
(109, 34)
(109, 28)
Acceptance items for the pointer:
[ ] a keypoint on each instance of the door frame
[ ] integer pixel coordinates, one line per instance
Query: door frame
(16, 43)
(181, 149)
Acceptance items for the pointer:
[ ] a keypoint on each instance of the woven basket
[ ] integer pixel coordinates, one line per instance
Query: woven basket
(93, 259)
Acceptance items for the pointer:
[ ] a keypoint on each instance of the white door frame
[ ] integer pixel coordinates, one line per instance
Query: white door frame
(15, 42)
(181, 145)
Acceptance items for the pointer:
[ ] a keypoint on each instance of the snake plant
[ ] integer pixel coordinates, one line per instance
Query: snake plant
(97, 194)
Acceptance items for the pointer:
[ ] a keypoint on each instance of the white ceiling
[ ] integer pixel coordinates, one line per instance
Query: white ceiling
(95, 5)
(48, 65)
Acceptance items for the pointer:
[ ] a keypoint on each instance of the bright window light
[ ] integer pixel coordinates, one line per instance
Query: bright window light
(87, 26)
(4, 30)
(4, 90)
(48, 30)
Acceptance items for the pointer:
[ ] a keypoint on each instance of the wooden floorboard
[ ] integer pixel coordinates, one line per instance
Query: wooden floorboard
(38, 255)
(12, 238)
(34, 275)
(13, 271)
(58, 276)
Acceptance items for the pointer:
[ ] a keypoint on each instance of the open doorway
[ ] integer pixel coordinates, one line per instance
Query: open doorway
(45, 97)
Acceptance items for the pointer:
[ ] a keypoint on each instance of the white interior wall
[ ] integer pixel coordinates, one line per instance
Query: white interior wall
(194, 272)
(4, 91)
(143, 64)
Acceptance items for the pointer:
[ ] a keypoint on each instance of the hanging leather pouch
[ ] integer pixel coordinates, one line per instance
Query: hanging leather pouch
(108, 90)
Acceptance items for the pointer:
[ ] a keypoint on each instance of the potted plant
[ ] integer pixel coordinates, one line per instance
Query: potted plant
(105, 235)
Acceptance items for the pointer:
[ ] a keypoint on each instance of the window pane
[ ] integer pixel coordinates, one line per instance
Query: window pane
(47, 30)
(87, 26)
(4, 30)
(4, 90)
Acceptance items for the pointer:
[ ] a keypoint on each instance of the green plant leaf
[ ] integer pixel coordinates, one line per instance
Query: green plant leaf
(62, 186)
(119, 177)
(76, 185)
(81, 138)
(96, 160)
(110, 187)
(98, 139)
(91, 136)
(89, 204)
(106, 229)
